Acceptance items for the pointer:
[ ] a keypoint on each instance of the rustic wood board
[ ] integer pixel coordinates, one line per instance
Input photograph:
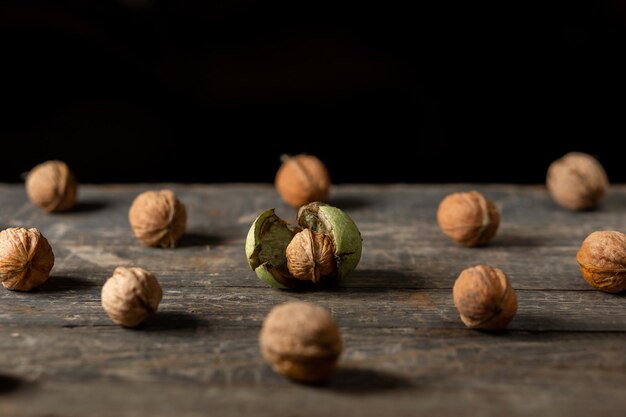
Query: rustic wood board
(406, 351)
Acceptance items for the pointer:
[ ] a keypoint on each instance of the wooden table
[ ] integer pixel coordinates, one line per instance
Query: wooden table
(406, 351)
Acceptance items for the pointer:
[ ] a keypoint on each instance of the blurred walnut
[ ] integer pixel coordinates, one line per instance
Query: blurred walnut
(484, 298)
(468, 218)
(158, 218)
(130, 296)
(302, 179)
(577, 181)
(26, 258)
(301, 341)
(602, 260)
(52, 186)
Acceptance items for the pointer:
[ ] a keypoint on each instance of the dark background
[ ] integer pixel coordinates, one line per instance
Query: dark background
(122, 90)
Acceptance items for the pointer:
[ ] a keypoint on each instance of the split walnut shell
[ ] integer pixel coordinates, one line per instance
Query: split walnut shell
(302, 179)
(130, 296)
(325, 245)
(468, 218)
(26, 258)
(158, 218)
(52, 186)
(484, 298)
(577, 181)
(301, 341)
(602, 260)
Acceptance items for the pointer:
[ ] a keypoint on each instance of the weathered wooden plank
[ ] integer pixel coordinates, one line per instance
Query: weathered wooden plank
(406, 352)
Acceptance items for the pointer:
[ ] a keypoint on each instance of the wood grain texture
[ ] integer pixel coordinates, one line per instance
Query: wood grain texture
(406, 351)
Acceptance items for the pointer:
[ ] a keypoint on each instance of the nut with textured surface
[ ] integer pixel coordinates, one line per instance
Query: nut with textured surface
(468, 218)
(301, 341)
(26, 258)
(158, 218)
(324, 246)
(602, 260)
(577, 181)
(52, 186)
(484, 298)
(302, 179)
(130, 296)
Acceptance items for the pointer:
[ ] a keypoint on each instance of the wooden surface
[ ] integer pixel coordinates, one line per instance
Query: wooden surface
(406, 351)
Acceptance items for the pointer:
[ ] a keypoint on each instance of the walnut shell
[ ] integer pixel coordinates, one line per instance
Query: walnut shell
(484, 298)
(302, 179)
(577, 181)
(468, 218)
(602, 260)
(329, 252)
(310, 256)
(301, 341)
(26, 258)
(158, 218)
(130, 296)
(52, 186)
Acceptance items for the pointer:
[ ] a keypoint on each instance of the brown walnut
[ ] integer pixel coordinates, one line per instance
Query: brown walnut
(468, 218)
(577, 181)
(302, 179)
(130, 296)
(602, 260)
(158, 218)
(26, 258)
(311, 255)
(484, 298)
(301, 341)
(52, 186)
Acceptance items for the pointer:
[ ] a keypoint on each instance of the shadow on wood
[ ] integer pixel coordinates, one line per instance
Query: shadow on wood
(9, 383)
(348, 202)
(358, 381)
(88, 206)
(510, 240)
(56, 284)
(381, 279)
(174, 321)
(192, 239)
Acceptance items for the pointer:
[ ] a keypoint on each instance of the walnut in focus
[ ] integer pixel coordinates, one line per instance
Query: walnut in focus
(484, 298)
(26, 258)
(468, 218)
(577, 181)
(310, 256)
(158, 218)
(602, 260)
(52, 186)
(302, 179)
(130, 296)
(301, 341)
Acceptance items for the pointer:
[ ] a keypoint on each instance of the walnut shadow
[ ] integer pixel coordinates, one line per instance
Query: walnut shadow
(381, 279)
(62, 283)
(10, 383)
(198, 239)
(173, 321)
(349, 202)
(509, 240)
(357, 381)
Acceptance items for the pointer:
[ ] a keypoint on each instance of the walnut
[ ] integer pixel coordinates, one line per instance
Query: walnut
(468, 218)
(602, 260)
(484, 298)
(301, 341)
(130, 296)
(26, 258)
(311, 255)
(52, 186)
(324, 246)
(158, 218)
(577, 181)
(302, 179)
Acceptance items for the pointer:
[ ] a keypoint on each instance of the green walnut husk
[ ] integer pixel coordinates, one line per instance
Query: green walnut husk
(269, 237)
